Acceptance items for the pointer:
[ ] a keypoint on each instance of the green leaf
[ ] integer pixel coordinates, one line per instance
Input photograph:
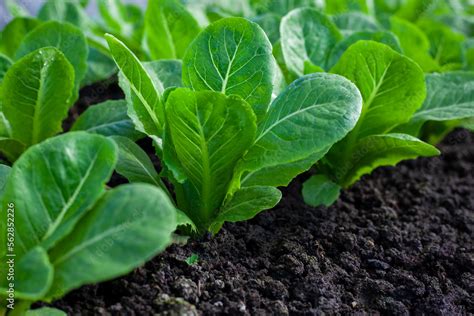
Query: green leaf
(4, 173)
(134, 221)
(351, 22)
(282, 7)
(5, 63)
(10, 148)
(169, 29)
(33, 275)
(15, 9)
(383, 37)
(450, 97)
(246, 204)
(414, 42)
(341, 6)
(67, 38)
(320, 190)
(210, 133)
(232, 56)
(384, 150)
(45, 311)
(14, 33)
(389, 83)
(53, 184)
(165, 73)
(193, 259)
(99, 67)
(270, 23)
(148, 113)
(37, 93)
(307, 36)
(311, 114)
(134, 164)
(108, 118)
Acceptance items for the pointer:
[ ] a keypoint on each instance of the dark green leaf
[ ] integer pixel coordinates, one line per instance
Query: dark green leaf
(4, 172)
(320, 190)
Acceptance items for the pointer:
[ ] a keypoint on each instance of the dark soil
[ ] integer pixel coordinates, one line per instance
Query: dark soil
(399, 242)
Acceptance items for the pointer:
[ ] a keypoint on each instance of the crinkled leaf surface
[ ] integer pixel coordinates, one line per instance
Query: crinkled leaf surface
(232, 56)
(37, 92)
(135, 221)
(53, 184)
(307, 36)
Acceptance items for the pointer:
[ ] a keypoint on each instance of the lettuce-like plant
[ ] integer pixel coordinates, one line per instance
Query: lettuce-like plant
(224, 145)
(68, 229)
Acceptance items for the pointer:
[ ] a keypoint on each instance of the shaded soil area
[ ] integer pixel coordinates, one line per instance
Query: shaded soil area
(399, 242)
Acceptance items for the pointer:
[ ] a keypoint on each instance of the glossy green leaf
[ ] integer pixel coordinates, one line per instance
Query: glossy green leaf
(384, 150)
(108, 118)
(320, 190)
(312, 114)
(351, 22)
(210, 133)
(53, 184)
(134, 164)
(232, 56)
(450, 97)
(246, 204)
(14, 33)
(4, 173)
(383, 37)
(37, 92)
(45, 311)
(67, 38)
(388, 82)
(129, 225)
(169, 29)
(148, 113)
(307, 36)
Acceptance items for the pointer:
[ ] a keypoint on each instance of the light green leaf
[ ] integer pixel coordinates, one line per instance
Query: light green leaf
(388, 82)
(134, 164)
(37, 92)
(134, 221)
(15, 9)
(351, 22)
(312, 114)
(232, 56)
(45, 311)
(245, 204)
(210, 133)
(53, 184)
(67, 38)
(320, 190)
(4, 173)
(169, 29)
(270, 23)
(450, 97)
(384, 150)
(307, 36)
(108, 118)
(383, 37)
(148, 113)
(165, 73)
(341, 6)
(14, 33)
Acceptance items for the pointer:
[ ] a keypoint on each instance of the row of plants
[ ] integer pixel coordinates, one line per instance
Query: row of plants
(238, 101)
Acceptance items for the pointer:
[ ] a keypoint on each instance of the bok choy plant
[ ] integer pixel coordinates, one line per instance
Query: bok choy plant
(224, 144)
(62, 228)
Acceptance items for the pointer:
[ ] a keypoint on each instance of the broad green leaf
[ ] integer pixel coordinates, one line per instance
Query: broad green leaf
(351, 22)
(311, 114)
(320, 190)
(33, 275)
(307, 36)
(414, 43)
(169, 29)
(37, 93)
(384, 150)
(383, 37)
(14, 33)
(389, 83)
(246, 204)
(270, 23)
(45, 311)
(99, 67)
(108, 118)
(148, 113)
(11, 148)
(232, 56)
(134, 164)
(341, 6)
(67, 38)
(450, 97)
(210, 133)
(53, 184)
(4, 173)
(282, 7)
(5, 63)
(135, 221)
(165, 73)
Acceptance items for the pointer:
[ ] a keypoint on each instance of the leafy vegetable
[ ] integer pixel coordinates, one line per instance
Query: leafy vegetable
(63, 217)
(14, 33)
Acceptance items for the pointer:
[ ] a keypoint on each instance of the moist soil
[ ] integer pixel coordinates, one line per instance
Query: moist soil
(399, 242)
